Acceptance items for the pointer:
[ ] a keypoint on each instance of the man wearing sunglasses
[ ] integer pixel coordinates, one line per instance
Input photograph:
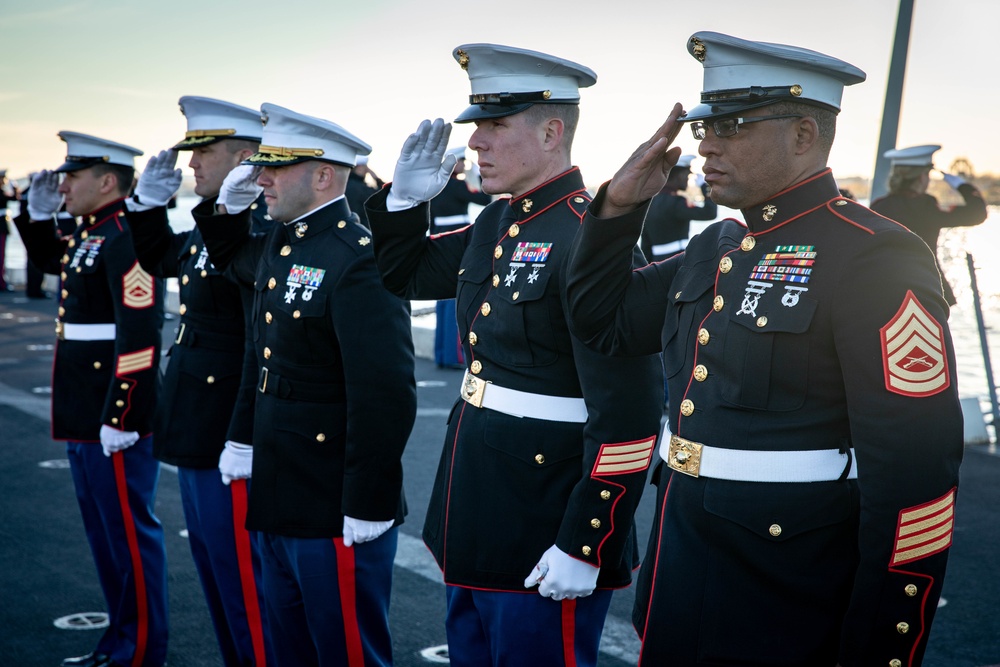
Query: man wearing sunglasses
(805, 503)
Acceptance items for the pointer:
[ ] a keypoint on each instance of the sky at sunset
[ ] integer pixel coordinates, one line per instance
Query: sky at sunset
(377, 67)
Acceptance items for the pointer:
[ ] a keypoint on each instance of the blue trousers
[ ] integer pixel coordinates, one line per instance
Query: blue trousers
(116, 496)
(327, 604)
(225, 554)
(447, 346)
(523, 629)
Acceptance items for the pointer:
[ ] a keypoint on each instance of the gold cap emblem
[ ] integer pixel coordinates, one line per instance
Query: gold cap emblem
(463, 59)
(795, 90)
(698, 49)
(526, 205)
(769, 212)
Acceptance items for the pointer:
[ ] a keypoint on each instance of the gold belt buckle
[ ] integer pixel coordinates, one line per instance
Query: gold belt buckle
(263, 384)
(59, 330)
(684, 456)
(473, 389)
(180, 334)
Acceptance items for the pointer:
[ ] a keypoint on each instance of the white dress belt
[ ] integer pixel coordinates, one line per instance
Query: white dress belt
(699, 460)
(669, 248)
(483, 394)
(87, 331)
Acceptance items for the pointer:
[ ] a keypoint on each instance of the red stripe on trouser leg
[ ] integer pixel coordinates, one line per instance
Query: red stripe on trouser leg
(141, 607)
(348, 603)
(244, 560)
(569, 632)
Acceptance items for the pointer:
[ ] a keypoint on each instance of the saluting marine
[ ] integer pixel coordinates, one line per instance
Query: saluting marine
(806, 504)
(206, 411)
(104, 387)
(336, 397)
(548, 445)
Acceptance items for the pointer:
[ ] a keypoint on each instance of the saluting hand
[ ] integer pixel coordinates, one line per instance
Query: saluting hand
(160, 180)
(43, 196)
(646, 170)
(423, 169)
(239, 189)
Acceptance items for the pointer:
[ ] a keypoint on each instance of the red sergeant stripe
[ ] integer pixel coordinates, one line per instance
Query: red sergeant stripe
(244, 561)
(141, 606)
(348, 603)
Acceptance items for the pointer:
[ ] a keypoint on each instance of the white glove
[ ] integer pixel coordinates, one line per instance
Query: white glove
(359, 530)
(43, 197)
(953, 180)
(113, 440)
(159, 181)
(561, 577)
(239, 189)
(420, 173)
(235, 462)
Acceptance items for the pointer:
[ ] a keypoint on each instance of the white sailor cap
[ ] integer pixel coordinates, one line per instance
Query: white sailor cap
(291, 137)
(83, 150)
(741, 75)
(914, 156)
(209, 121)
(684, 161)
(507, 80)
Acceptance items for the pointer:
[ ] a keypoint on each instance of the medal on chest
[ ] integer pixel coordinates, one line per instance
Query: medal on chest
(787, 264)
(306, 277)
(533, 254)
(87, 251)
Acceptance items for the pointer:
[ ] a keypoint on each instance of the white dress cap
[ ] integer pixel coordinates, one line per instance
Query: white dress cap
(210, 120)
(684, 161)
(291, 137)
(914, 156)
(507, 80)
(84, 150)
(741, 75)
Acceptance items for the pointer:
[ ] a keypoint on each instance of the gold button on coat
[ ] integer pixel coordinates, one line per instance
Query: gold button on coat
(515, 295)
(498, 253)
(473, 338)
(485, 309)
(596, 523)
(717, 303)
(748, 243)
(84, 234)
(700, 373)
(320, 437)
(775, 530)
(496, 280)
(902, 627)
(183, 309)
(895, 662)
(286, 250)
(341, 224)
(687, 407)
(97, 365)
(268, 317)
(114, 420)
(185, 279)
(267, 353)
(586, 551)
(63, 275)
(762, 321)
(703, 336)
(72, 243)
(271, 283)
(194, 250)
(65, 293)
(65, 258)
(120, 403)
(605, 495)
(514, 230)
(910, 590)
(253, 206)
(62, 311)
(726, 265)
(297, 314)
(840, 202)
(210, 379)
(476, 367)
(204, 273)
(124, 386)
(539, 459)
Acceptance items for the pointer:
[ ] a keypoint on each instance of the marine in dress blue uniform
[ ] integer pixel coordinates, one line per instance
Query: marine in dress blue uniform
(909, 203)
(205, 373)
(548, 445)
(805, 509)
(450, 211)
(336, 395)
(104, 388)
(668, 218)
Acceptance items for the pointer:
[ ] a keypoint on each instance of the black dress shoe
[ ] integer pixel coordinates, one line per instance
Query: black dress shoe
(93, 659)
